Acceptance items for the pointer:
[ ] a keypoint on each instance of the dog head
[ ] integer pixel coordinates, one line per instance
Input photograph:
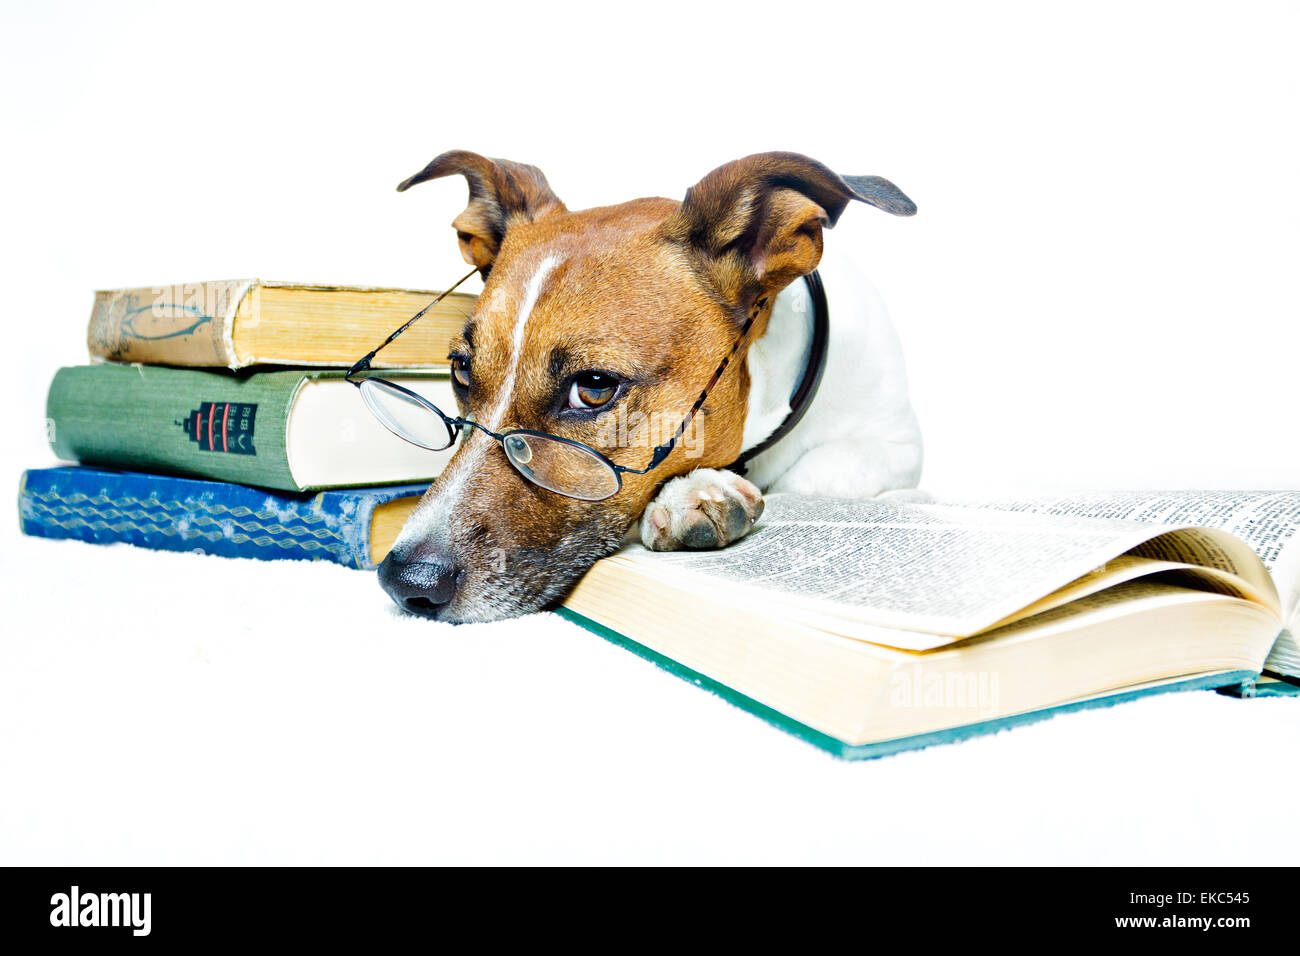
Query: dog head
(601, 326)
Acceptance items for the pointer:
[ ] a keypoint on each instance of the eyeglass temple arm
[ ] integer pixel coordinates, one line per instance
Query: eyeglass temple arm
(661, 452)
(364, 363)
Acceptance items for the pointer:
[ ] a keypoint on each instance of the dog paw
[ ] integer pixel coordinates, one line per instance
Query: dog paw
(707, 508)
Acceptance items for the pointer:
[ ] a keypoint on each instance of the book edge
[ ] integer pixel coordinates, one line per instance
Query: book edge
(290, 284)
(358, 531)
(884, 748)
(246, 288)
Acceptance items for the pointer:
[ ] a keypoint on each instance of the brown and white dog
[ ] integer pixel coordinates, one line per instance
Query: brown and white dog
(623, 313)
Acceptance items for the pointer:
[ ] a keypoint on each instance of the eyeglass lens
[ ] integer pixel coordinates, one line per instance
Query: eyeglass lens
(406, 415)
(560, 466)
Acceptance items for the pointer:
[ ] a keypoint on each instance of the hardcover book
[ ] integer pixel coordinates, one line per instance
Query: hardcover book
(290, 430)
(353, 527)
(246, 322)
(871, 627)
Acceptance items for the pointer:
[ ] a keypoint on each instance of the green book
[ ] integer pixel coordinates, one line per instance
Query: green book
(293, 430)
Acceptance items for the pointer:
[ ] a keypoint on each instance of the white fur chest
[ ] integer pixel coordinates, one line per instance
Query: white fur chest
(859, 437)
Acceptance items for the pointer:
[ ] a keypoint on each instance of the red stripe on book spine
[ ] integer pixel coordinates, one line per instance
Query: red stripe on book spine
(211, 419)
(225, 435)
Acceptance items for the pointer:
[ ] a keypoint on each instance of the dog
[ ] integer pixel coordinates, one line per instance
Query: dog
(625, 312)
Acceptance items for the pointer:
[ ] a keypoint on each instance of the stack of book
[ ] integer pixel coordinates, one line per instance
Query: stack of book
(215, 417)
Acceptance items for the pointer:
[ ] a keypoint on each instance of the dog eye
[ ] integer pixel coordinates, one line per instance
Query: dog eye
(460, 370)
(592, 390)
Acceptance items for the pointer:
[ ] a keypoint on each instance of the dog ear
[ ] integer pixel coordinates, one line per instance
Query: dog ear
(500, 193)
(755, 225)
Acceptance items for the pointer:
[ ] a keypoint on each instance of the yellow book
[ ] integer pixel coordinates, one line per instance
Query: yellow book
(243, 322)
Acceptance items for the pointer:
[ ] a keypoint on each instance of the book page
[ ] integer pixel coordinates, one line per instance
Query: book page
(1267, 521)
(1122, 599)
(1285, 656)
(940, 570)
(1132, 567)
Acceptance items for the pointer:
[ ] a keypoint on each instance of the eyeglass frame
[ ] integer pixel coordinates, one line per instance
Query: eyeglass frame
(454, 425)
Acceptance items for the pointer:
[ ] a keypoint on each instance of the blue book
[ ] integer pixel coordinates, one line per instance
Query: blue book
(354, 527)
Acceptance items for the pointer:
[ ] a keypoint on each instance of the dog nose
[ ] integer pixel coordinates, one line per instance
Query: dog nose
(421, 587)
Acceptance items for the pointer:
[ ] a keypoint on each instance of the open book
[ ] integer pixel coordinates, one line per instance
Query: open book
(870, 627)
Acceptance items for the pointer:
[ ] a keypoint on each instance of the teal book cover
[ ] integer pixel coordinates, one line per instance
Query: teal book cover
(1265, 685)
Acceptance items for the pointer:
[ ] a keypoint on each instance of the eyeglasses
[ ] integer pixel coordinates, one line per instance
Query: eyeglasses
(557, 464)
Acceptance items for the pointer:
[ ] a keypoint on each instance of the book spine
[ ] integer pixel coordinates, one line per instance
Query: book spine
(203, 424)
(183, 514)
(190, 324)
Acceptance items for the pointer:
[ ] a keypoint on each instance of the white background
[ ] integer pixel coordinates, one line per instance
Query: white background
(1099, 291)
